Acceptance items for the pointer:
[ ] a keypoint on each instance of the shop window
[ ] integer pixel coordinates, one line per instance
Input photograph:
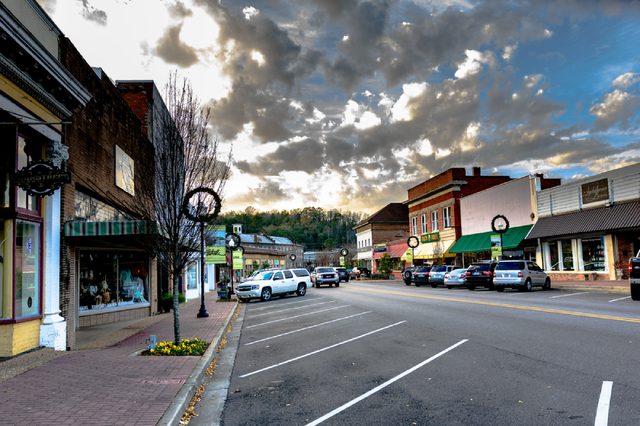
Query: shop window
(423, 223)
(25, 153)
(414, 225)
(567, 255)
(446, 217)
(434, 220)
(27, 269)
(593, 254)
(553, 255)
(110, 280)
(192, 277)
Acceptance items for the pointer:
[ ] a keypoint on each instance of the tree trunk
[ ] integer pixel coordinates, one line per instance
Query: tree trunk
(176, 309)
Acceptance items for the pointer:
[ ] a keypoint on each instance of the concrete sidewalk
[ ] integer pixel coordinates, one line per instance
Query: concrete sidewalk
(109, 383)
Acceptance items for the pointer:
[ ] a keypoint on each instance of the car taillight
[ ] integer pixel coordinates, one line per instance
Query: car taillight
(446, 275)
(467, 274)
(519, 274)
(630, 266)
(494, 274)
(486, 273)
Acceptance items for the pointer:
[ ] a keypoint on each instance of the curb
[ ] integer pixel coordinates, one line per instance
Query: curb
(173, 414)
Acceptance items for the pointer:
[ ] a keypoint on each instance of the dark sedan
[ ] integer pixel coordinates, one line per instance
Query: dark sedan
(343, 274)
(480, 274)
(421, 275)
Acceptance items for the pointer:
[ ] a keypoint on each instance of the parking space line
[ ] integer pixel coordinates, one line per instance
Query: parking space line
(383, 385)
(297, 316)
(321, 350)
(620, 298)
(277, 305)
(500, 305)
(306, 328)
(602, 414)
(568, 295)
(292, 309)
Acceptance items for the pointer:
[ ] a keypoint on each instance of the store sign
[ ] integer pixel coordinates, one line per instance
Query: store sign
(215, 255)
(409, 255)
(125, 171)
(430, 238)
(595, 191)
(41, 178)
(379, 248)
(496, 246)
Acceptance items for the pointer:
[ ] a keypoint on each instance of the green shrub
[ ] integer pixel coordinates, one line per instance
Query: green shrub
(169, 297)
(379, 276)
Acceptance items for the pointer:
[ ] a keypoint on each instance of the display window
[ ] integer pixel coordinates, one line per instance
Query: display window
(27, 269)
(109, 279)
(192, 277)
(593, 254)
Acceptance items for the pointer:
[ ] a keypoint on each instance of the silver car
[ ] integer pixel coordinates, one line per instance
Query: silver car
(520, 274)
(437, 273)
(455, 278)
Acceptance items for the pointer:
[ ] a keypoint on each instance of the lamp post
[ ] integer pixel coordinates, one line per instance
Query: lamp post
(232, 242)
(412, 242)
(202, 213)
(500, 224)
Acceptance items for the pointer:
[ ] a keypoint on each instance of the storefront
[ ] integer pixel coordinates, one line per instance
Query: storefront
(475, 247)
(434, 248)
(114, 276)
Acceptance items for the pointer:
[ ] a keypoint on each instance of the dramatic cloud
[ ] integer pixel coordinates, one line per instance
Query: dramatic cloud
(92, 14)
(619, 107)
(173, 50)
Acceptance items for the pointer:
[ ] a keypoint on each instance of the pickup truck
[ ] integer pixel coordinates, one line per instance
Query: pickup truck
(634, 276)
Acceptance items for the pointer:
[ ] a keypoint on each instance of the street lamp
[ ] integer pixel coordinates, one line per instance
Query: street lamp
(500, 224)
(203, 214)
(413, 242)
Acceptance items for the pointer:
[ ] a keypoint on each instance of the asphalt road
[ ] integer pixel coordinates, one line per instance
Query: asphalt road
(386, 354)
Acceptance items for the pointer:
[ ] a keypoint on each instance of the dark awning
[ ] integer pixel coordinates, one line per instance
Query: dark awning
(474, 243)
(616, 217)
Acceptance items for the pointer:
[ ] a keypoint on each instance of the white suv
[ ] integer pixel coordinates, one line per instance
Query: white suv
(274, 282)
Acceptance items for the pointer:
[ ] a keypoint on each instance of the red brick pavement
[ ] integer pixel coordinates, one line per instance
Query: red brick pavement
(114, 385)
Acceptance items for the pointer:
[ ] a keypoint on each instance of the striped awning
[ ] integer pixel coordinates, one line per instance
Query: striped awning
(80, 228)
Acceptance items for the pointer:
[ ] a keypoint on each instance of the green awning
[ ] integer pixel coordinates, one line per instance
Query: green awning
(80, 228)
(482, 241)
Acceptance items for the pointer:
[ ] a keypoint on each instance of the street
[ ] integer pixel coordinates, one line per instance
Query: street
(373, 352)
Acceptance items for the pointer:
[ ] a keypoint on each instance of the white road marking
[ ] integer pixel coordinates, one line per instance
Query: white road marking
(306, 328)
(602, 415)
(279, 305)
(297, 316)
(621, 298)
(567, 295)
(292, 309)
(384, 385)
(320, 350)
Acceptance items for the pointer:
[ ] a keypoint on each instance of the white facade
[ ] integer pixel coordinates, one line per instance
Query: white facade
(514, 199)
(364, 244)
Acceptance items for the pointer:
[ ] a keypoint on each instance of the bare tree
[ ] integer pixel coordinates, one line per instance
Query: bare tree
(186, 158)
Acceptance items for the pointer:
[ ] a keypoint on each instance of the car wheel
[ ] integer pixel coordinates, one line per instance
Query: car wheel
(499, 289)
(527, 285)
(471, 287)
(418, 284)
(406, 282)
(449, 287)
(547, 284)
(338, 284)
(434, 285)
(266, 294)
(635, 292)
(406, 275)
(302, 290)
(242, 300)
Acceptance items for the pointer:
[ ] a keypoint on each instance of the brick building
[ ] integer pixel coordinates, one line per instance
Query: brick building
(37, 96)
(387, 224)
(434, 211)
(107, 272)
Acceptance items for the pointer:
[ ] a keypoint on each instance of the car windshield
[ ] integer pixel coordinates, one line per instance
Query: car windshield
(439, 268)
(341, 269)
(510, 266)
(479, 267)
(423, 269)
(263, 276)
(323, 270)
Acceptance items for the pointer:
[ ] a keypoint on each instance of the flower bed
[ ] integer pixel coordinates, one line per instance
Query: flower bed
(193, 347)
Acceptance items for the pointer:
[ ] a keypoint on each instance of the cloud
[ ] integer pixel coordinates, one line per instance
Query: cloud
(92, 14)
(179, 10)
(172, 50)
(619, 107)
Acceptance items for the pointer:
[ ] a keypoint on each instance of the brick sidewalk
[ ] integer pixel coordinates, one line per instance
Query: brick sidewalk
(112, 385)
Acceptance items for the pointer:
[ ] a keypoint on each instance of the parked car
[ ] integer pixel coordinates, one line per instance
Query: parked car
(480, 274)
(421, 275)
(520, 274)
(358, 272)
(265, 284)
(634, 276)
(407, 275)
(436, 275)
(325, 275)
(455, 278)
(342, 274)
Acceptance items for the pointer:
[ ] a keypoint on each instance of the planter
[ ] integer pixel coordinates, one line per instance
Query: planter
(223, 294)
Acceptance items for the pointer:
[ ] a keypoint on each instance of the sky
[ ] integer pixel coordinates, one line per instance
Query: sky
(347, 104)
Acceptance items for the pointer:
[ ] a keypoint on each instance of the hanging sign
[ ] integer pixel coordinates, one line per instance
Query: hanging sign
(41, 178)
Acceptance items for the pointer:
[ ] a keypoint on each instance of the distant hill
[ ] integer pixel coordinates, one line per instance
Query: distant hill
(314, 228)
